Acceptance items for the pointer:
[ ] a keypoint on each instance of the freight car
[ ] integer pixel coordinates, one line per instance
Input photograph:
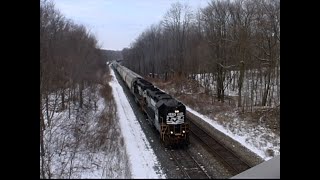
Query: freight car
(164, 112)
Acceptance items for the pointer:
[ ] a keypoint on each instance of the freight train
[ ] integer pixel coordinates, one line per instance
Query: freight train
(164, 112)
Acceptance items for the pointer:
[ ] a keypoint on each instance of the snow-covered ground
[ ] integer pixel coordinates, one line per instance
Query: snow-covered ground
(79, 147)
(142, 160)
(246, 135)
(257, 138)
(88, 145)
(250, 86)
(106, 142)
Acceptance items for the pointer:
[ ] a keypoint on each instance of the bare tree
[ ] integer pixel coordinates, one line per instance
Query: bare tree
(69, 58)
(225, 42)
(177, 22)
(268, 40)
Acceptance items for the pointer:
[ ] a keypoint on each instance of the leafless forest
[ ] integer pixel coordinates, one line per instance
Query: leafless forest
(222, 43)
(228, 50)
(73, 78)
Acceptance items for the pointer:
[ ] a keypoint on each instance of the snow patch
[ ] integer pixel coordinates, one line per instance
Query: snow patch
(143, 161)
(259, 146)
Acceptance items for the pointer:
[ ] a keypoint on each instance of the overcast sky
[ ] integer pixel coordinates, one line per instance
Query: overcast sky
(117, 23)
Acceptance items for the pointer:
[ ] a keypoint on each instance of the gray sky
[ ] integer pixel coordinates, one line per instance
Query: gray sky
(117, 23)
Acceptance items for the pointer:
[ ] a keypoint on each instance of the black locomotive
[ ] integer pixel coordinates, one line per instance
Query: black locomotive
(165, 113)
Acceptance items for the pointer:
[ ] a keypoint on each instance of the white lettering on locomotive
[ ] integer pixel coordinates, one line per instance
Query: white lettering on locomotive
(175, 118)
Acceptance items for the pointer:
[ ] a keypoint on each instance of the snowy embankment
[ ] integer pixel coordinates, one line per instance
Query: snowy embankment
(142, 160)
(257, 145)
(78, 147)
(258, 139)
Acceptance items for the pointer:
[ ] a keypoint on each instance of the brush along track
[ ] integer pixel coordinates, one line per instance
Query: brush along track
(227, 157)
(188, 165)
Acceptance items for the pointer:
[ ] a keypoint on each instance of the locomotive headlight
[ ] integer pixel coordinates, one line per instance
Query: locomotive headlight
(183, 131)
(176, 111)
(171, 132)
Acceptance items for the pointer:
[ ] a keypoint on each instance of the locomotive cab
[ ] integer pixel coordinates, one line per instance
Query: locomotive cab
(173, 126)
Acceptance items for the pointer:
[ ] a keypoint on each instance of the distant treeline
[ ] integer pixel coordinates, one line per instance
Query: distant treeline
(69, 53)
(223, 36)
(111, 55)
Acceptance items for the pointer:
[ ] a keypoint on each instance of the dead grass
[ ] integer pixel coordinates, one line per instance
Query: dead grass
(268, 117)
(106, 90)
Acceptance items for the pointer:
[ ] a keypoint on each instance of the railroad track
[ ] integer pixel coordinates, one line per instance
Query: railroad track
(192, 169)
(235, 164)
(188, 165)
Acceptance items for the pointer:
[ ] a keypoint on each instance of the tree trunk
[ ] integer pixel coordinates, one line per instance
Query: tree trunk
(265, 94)
(240, 83)
(62, 100)
(152, 70)
(220, 88)
(42, 128)
(47, 109)
(80, 94)
(252, 90)
(69, 102)
(74, 97)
